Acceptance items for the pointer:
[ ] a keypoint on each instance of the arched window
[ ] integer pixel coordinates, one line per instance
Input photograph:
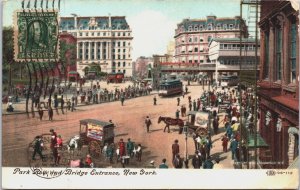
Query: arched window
(190, 28)
(196, 28)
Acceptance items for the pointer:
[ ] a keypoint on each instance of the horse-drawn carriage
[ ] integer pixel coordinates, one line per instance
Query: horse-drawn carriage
(95, 134)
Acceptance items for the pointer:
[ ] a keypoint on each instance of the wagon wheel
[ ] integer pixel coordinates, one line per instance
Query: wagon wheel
(94, 149)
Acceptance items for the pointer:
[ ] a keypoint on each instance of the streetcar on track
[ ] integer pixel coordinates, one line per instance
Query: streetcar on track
(95, 134)
(170, 87)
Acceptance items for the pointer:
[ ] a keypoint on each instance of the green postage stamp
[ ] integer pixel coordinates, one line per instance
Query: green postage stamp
(35, 36)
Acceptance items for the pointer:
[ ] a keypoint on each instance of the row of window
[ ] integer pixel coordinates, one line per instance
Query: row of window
(118, 44)
(119, 64)
(237, 46)
(92, 55)
(210, 27)
(237, 62)
(103, 34)
(193, 40)
(124, 71)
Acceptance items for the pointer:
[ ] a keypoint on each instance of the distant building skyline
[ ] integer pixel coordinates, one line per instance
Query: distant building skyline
(153, 22)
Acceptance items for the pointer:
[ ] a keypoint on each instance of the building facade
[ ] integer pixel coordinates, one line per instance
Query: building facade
(225, 56)
(279, 83)
(104, 41)
(142, 65)
(192, 36)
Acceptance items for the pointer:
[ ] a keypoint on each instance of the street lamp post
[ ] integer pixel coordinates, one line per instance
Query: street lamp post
(185, 129)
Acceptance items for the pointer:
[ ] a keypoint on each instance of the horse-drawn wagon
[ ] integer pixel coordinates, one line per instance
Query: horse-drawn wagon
(95, 134)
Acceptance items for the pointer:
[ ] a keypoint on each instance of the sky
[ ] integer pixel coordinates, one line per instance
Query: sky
(153, 22)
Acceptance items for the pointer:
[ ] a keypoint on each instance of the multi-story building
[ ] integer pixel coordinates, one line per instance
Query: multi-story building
(225, 56)
(104, 41)
(192, 36)
(279, 82)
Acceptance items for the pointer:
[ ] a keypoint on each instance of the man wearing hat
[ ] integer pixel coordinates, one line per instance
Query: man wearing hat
(148, 123)
(38, 145)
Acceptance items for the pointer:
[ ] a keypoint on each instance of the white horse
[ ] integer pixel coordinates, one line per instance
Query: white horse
(74, 144)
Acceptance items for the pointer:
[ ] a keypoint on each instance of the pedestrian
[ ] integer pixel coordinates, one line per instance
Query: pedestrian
(194, 105)
(208, 164)
(138, 153)
(53, 138)
(197, 161)
(177, 114)
(148, 123)
(38, 147)
(110, 152)
(178, 162)
(122, 148)
(198, 104)
(175, 149)
(182, 111)
(122, 99)
(224, 143)
(59, 141)
(73, 104)
(50, 113)
(228, 130)
(154, 100)
(130, 147)
(190, 98)
(216, 124)
(183, 93)
(208, 146)
(186, 89)
(190, 106)
(68, 105)
(41, 113)
(56, 156)
(178, 101)
(163, 165)
(233, 148)
(56, 103)
(62, 103)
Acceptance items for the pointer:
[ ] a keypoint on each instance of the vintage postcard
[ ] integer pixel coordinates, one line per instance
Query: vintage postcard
(159, 94)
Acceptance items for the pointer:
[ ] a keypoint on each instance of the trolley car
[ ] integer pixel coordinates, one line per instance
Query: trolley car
(170, 87)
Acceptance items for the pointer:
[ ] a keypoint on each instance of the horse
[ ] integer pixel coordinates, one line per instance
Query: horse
(170, 121)
(74, 144)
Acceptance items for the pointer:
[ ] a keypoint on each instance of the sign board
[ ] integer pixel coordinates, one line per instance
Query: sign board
(35, 36)
(94, 131)
(201, 119)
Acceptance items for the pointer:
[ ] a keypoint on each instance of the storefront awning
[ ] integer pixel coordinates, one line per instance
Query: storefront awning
(260, 143)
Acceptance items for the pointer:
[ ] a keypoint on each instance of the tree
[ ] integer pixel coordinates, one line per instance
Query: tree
(96, 68)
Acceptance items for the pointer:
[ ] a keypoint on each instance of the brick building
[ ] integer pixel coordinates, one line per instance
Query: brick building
(279, 82)
(192, 36)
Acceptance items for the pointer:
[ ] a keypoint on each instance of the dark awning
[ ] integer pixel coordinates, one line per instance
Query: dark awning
(260, 143)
